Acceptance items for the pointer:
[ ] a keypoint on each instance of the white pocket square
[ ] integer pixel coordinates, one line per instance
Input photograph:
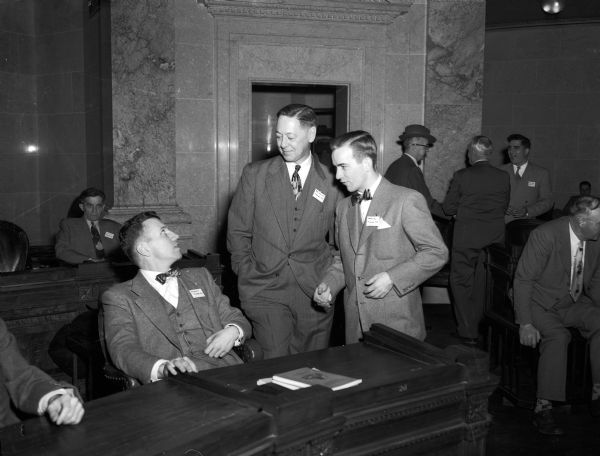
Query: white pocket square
(383, 224)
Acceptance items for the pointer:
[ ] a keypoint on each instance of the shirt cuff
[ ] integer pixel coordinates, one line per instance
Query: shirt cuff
(43, 404)
(238, 341)
(154, 371)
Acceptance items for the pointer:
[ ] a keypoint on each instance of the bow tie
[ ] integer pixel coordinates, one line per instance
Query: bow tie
(162, 278)
(357, 197)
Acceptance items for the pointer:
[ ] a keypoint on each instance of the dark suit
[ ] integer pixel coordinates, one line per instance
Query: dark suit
(21, 384)
(541, 293)
(532, 190)
(139, 332)
(74, 240)
(405, 243)
(478, 196)
(279, 251)
(406, 173)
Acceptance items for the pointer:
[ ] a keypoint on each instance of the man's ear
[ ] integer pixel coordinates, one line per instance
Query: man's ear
(81, 207)
(141, 249)
(312, 134)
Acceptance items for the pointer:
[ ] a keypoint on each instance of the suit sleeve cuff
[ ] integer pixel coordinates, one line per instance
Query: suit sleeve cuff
(43, 404)
(154, 371)
(238, 341)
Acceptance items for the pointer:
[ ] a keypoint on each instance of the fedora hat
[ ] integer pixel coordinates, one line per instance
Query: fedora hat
(417, 131)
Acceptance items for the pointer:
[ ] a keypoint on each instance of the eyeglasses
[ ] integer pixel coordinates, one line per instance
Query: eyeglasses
(426, 146)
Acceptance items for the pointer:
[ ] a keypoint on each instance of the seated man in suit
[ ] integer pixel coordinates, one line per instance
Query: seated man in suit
(89, 237)
(556, 286)
(164, 321)
(530, 189)
(32, 390)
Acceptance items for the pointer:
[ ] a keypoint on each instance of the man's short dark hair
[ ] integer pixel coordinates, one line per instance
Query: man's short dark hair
(525, 141)
(131, 231)
(584, 203)
(305, 114)
(363, 145)
(91, 192)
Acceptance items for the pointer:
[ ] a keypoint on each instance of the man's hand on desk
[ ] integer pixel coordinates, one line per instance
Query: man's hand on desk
(175, 366)
(219, 344)
(517, 211)
(65, 409)
(529, 335)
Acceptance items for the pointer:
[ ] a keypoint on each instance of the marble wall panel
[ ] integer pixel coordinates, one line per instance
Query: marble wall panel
(143, 71)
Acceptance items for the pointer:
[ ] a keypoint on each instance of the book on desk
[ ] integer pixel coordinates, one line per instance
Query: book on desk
(309, 376)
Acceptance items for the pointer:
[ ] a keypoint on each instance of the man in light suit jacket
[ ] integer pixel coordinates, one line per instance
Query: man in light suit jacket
(388, 245)
(556, 286)
(530, 189)
(407, 170)
(89, 237)
(32, 390)
(166, 321)
(280, 236)
(478, 197)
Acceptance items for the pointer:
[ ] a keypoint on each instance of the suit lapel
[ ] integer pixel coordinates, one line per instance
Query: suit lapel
(313, 206)
(151, 304)
(354, 223)
(277, 186)
(379, 204)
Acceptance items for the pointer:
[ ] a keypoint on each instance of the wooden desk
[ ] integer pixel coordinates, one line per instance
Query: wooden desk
(414, 399)
(36, 303)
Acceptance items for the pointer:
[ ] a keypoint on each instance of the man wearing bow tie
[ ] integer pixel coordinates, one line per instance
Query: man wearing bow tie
(388, 245)
(164, 321)
(280, 236)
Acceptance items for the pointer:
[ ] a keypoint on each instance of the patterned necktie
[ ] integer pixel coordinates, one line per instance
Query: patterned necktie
(296, 182)
(162, 277)
(517, 175)
(357, 197)
(97, 242)
(577, 277)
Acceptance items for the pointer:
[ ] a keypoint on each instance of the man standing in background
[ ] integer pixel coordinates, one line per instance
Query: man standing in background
(280, 236)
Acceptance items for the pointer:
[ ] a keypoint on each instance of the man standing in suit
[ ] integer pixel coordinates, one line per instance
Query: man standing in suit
(388, 245)
(407, 171)
(478, 197)
(166, 321)
(89, 237)
(557, 286)
(530, 189)
(280, 238)
(32, 390)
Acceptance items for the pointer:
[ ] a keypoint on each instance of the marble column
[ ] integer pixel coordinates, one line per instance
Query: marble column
(143, 51)
(453, 85)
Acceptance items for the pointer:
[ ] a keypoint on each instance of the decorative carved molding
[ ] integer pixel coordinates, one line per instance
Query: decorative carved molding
(360, 11)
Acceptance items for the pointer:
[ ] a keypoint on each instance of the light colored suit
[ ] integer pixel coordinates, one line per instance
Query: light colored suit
(280, 248)
(541, 294)
(74, 240)
(533, 190)
(410, 250)
(138, 331)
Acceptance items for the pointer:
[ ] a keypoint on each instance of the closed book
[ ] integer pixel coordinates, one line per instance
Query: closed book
(309, 376)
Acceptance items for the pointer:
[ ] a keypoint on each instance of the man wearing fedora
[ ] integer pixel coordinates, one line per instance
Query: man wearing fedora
(407, 171)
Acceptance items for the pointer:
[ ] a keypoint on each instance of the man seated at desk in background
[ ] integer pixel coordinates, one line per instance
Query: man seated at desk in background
(530, 189)
(388, 245)
(556, 287)
(32, 390)
(585, 189)
(166, 321)
(89, 237)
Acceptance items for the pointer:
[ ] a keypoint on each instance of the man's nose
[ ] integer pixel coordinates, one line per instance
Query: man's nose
(338, 174)
(173, 236)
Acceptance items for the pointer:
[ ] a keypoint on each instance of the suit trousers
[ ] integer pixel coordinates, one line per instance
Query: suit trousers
(467, 282)
(287, 322)
(552, 325)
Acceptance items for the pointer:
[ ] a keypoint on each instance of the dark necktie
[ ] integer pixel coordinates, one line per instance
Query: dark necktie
(517, 175)
(97, 242)
(577, 277)
(162, 277)
(296, 182)
(357, 197)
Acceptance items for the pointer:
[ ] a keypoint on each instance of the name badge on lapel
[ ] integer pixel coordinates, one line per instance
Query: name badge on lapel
(373, 220)
(109, 235)
(530, 183)
(197, 293)
(319, 195)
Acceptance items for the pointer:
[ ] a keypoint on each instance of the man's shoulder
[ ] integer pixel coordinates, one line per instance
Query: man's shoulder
(72, 221)
(395, 191)
(537, 168)
(111, 223)
(402, 163)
